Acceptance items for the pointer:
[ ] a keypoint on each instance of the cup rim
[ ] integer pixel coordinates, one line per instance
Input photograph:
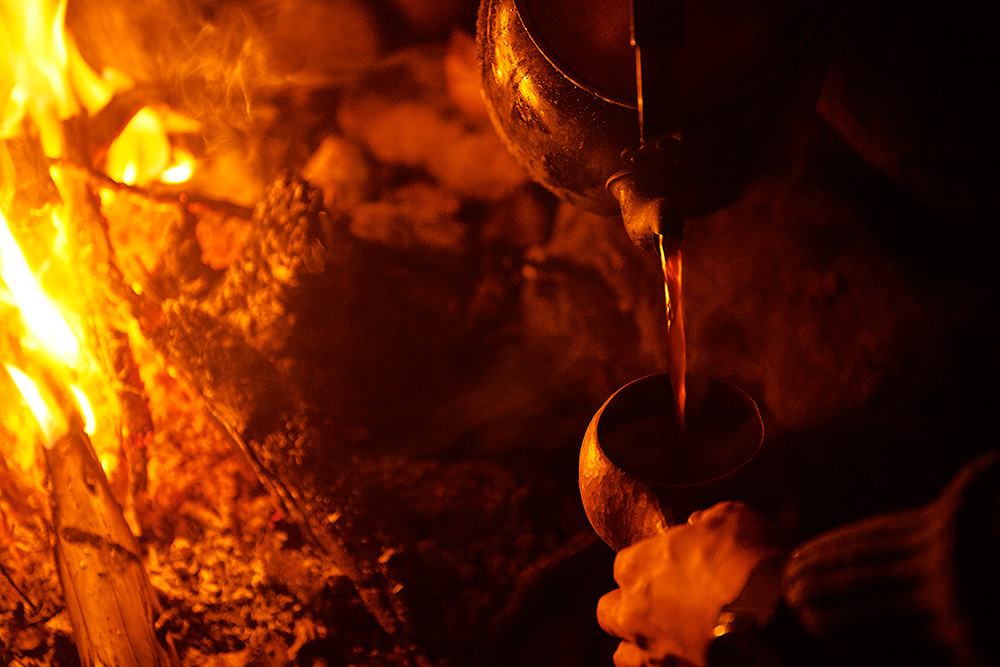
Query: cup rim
(664, 377)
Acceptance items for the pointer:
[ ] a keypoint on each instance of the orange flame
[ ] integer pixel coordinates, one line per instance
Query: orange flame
(52, 426)
(48, 331)
(142, 153)
(41, 315)
(85, 408)
(42, 75)
(44, 80)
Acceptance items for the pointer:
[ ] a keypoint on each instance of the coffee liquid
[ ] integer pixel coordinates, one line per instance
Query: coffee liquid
(670, 261)
(644, 439)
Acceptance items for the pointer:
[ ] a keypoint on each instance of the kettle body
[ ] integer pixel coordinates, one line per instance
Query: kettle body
(558, 78)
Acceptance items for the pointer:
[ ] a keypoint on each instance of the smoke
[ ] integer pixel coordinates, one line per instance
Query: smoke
(215, 60)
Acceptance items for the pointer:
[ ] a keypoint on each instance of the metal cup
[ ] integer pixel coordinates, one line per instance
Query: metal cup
(640, 472)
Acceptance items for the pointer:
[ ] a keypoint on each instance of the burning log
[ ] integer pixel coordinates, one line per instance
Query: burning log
(187, 201)
(108, 596)
(23, 164)
(110, 601)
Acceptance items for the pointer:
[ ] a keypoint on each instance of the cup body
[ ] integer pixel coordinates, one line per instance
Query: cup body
(640, 472)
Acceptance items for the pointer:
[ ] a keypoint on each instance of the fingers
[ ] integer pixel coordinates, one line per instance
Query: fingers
(673, 585)
(718, 513)
(615, 619)
(636, 560)
(630, 655)
(745, 524)
(608, 616)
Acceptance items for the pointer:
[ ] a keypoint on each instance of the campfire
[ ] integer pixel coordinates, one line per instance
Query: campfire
(297, 360)
(235, 402)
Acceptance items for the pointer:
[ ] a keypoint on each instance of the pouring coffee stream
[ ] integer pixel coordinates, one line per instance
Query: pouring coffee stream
(670, 262)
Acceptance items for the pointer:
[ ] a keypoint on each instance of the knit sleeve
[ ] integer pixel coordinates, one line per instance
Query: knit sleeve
(918, 587)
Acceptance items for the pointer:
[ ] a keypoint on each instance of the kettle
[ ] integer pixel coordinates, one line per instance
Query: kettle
(560, 83)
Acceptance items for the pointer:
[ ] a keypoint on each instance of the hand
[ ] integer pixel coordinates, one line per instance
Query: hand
(673, 586)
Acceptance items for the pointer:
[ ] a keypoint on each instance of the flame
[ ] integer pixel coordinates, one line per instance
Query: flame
(37, 61)
(47, 330)
(42, 75)
(52, 426)
(109, 462)
(182, 170)
(41, 315)
(143, 154)
(44, 80)
(85, 408)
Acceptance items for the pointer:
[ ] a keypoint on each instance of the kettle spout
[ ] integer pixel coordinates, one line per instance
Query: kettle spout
(649, 194)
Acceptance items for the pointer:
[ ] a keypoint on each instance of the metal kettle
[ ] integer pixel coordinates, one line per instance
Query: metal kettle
(559, 80)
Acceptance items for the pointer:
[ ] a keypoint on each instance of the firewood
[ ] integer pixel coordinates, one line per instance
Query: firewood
(110, 601)
(137, 422)
(220, 343)
(327, 358)
(185, 200)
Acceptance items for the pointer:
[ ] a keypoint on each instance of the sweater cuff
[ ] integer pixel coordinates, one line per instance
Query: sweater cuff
(917, 585)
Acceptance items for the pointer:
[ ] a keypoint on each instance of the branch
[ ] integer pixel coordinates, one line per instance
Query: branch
(190, 202)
